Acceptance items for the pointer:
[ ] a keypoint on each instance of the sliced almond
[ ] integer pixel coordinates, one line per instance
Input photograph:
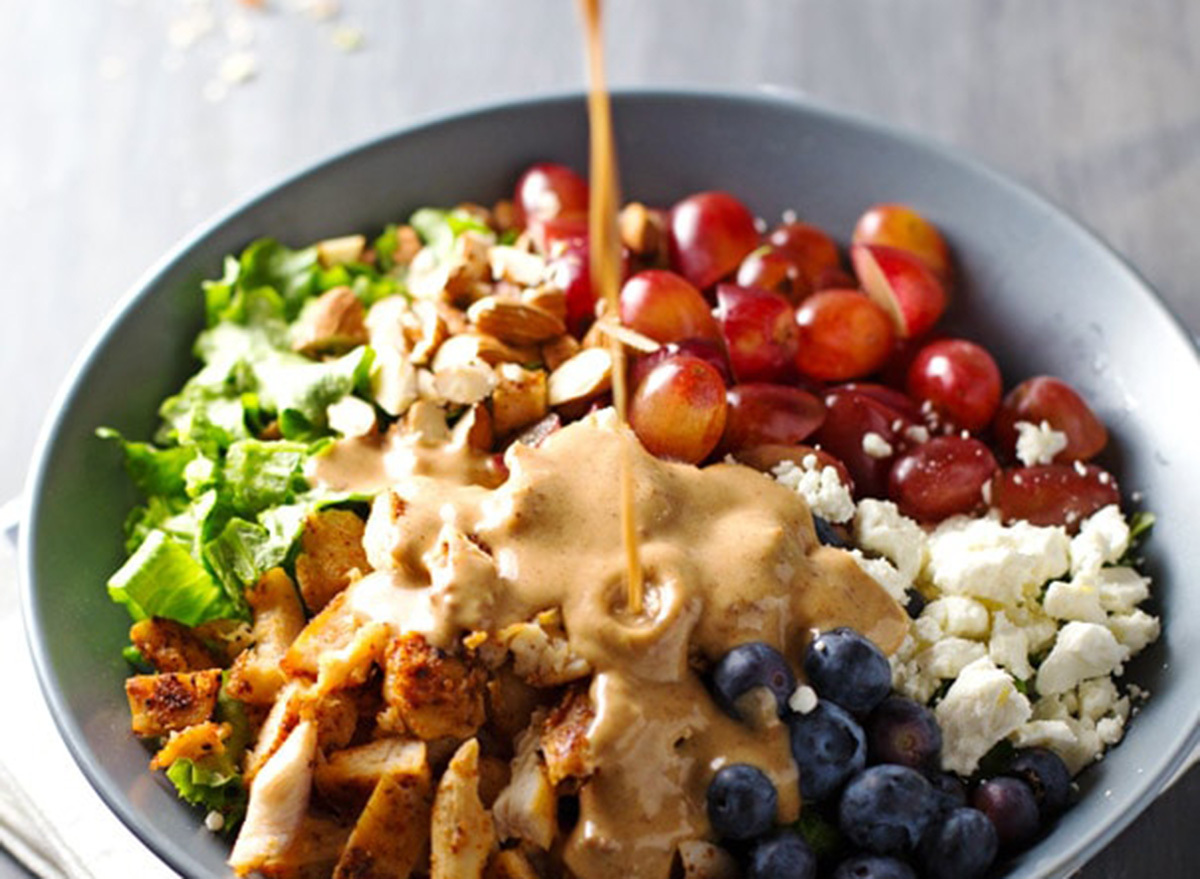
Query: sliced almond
(467, 268)
(586, 375)
(340, 251)
(408, 245)
(559, 350)
(424, 329)
(385, 323)
(604, 329)
(514, 322)
(520, 397)
(474, 429)
(427, 421)
(465, 384)
(331, 323)
(642, 230)
(516, 265)
(470, 347)
(351, 417)
(548, 298)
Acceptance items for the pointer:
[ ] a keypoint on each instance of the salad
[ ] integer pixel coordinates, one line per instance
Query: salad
(376, 581)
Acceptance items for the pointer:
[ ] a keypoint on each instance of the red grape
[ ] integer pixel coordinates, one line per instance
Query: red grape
(902, 284)
(959, 379)
(849, 418)
(762, 414)
(1053, 494)
(890, 397)
(711, 352)
(759, 329)
(710, 234)
(812, 250)
(665, 307)
(1048, 399)
(569, 272)
(901, 227)
(679, 409)
(843, 335)
(548, 190)
(773, 270)
(941, 478)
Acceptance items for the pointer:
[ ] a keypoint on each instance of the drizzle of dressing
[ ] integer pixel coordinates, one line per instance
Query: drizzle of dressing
(729, 555)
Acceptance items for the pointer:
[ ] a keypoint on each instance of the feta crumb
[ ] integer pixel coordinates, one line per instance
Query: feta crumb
(946, 659)
(1121, 589)
(1102, 539)
(882, 572)
(985, 559)
(1074, 600)
(917, 434)
(880, 527)
(875, 445)
(238, 67)
(214, 821)
(803, 700)
(1080, 468)
(982, 707)
(1134, 631)
(820, 486)
(959, 616)
(1081, 651)
(1009, 646)
(789, 216)
(1038, 443)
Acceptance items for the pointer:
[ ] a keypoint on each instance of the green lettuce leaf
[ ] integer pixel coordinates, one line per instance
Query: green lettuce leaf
(261, 474)
(154, 471)
(162, 579)
(438, 228)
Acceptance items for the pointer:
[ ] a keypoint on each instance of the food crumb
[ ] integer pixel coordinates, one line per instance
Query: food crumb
(238, 67)
(347, 38)
(804, 700)
(789, 216)
(214, 821)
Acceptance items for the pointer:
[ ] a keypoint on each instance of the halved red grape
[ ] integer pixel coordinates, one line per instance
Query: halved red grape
(710, 234)
(899, 226)
(1052, 400)
(812, 250)
(666, 307)
(906, 288)
(772, 269)
(767, 414)
(959, 379)
(941, 478)
(760, 332)
(850, 420)
(1053, 494)
(569, 271)
(768, 456)
(889, 397)
(679, 410)
(547, 190)
(842, 335)
(711, 352)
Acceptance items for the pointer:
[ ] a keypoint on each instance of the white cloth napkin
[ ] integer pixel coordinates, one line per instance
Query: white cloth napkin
(50, 818)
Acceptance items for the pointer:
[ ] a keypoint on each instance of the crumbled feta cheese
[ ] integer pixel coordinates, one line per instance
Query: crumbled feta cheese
(1038, 443)
(1102, 539)
(985, 559)
(803, 700)
(880, 527)
(1056, 735)
(1121, 589)
(917, 434)
(875, 445)
(820, 486)
(947, 658)
(959, 616)
(1081, 651)
(214, 821)
(1074, 600)
(1134, 631)
(1009, 647)
(883, 573)
(980, 708)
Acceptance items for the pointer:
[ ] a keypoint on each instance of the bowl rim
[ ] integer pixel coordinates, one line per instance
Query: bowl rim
(1072, 856)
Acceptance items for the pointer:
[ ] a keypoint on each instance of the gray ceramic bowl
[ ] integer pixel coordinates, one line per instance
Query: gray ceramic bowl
(1044, 294)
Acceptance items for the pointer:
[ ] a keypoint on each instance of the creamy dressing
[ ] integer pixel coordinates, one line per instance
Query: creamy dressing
(729, 556)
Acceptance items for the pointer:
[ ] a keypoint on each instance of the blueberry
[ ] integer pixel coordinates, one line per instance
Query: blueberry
(1010, 804)
(1048, 777)
(783, 855)
(962, 846)
(914, 604)
(847, 668)
(741, 802)
(827, 534)
(873, 867)
(949, 791)
(886, 809)
(904, 732)
(828, 746)
(746, 668)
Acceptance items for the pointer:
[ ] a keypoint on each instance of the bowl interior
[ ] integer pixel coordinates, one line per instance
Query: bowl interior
(1039, 291)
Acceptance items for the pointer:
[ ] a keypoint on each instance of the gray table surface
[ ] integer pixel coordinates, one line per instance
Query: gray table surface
(119, 137)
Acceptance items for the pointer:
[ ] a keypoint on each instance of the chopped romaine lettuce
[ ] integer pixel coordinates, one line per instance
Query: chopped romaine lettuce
(162, 579)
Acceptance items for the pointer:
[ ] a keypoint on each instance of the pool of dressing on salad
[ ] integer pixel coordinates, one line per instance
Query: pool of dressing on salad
(729, 556)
